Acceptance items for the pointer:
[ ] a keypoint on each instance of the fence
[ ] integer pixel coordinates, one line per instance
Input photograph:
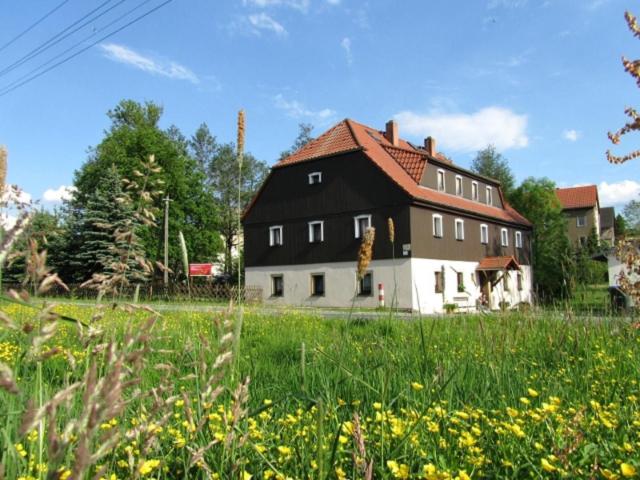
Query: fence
(158, 292)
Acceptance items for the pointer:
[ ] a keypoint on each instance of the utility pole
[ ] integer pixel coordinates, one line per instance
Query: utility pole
(166, 241)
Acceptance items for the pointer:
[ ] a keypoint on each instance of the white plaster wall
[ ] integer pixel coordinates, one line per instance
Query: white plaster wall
(340, 283)
(427, 301)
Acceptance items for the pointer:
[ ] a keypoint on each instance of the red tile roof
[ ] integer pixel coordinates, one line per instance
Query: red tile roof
(404, 164)
(578, 197)
(498, 263)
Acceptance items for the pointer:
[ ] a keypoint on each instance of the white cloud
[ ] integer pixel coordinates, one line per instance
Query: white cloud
(618, 193)
(169, 69)
(468, 132)
(262, 21)
(302, 5)
(346, 46)
(59, 194)
(571, 135)
(295, 109)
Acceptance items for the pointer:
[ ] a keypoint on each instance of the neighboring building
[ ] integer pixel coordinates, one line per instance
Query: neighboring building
(456, 239)
(581, 207)
(607, 225)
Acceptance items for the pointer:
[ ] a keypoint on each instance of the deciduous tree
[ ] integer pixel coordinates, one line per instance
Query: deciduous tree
(490, 163)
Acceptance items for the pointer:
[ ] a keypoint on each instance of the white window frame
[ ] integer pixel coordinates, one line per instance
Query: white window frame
(314, 175)
(460, 183)
(311, 224)
(484, 234)
(489, 194)
(475, 189)
(273, 284)
(356, 224)
(324, 284)
(272, 230)
(504, 237)
(435, 217)
(444, 180)
(460, 222)
(580, 224)
(518, 240)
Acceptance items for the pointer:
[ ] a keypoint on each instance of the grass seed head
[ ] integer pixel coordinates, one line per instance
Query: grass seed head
(392, 230)
(366, 251)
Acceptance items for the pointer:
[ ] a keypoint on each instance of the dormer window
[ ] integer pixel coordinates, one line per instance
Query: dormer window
(275, 235)
(361, 223)
(474, 191)
(459, 190)
(489, 196)
(315, 178)
(441, 185)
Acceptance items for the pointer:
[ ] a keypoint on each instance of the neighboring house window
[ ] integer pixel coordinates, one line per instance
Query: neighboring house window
(316, 232)
(437, 225)
(441, 185)
(460, 278)
(361, 223)
(484, 234)
(275, 235)
(315, 178)
(518, 239)
(459, 226)
(459, 191)
(474, 191)
(519, 278)
(277, 285)
(365, 285)
(583, 241)
(489, 196)
(581, 221)
(317, 284)
(504, 235)
(439, 282)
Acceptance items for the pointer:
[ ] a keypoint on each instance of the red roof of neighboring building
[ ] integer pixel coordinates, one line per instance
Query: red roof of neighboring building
(403, 163)
(498, 263)
(578, 197)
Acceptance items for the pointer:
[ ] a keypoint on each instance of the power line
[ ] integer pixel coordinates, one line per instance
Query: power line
(72, 47)
(65, 60)
(52, 41)
(33, 25)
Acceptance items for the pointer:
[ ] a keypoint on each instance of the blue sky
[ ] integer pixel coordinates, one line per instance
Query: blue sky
(542, 80)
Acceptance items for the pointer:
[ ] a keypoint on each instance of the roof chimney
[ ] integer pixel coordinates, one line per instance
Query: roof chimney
(391, 133)
(430, 146)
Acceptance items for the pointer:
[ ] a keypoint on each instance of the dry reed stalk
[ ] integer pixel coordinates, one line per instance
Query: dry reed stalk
(392, 230)
(360, 458)
(3, 166)
(240, 145)
(366, 251)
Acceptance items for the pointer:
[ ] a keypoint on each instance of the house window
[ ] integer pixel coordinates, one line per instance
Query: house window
(459, 226)
(437, 225)
(519, 279)
(439, 282)
(489, 191)
(460, 279)
(317, 284)
(316, 232)
(504, 236)
(583, 241)
(275, 235)
(441, 185)
(459, 190)
(277, 285)
(581, 221)
(518, 239)
(365, 285)
(361, 223)
(484, 234)
(474, 191)
(315, 178)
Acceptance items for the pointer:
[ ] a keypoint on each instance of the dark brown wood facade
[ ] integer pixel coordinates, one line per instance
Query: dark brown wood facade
(352, 185)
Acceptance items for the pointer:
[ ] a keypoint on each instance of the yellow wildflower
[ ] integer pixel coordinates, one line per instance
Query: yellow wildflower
(627, 470)
(547, 466)
(417, 386)
(149, 466)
